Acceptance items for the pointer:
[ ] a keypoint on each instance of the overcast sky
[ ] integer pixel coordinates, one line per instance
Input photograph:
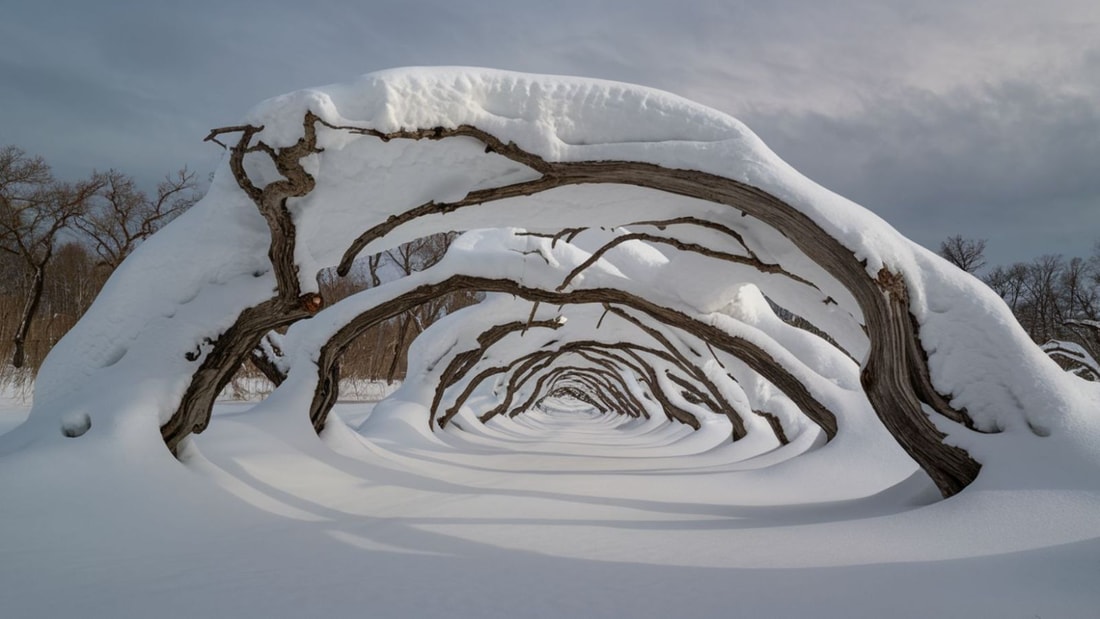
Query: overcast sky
(958, 117)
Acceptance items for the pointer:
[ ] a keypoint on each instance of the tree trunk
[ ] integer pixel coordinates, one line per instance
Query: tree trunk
(398, 346)
(266, 365)
(30, 308)
(232, 348)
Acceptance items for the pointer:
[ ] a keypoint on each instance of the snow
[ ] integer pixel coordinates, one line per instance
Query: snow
(560, 510)
(543, 516)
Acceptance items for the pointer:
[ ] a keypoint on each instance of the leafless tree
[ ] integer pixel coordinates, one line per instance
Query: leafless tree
(967, 254)
(408, 258)
(381, 352)
(121, 215)
(1008, 282)
(34, 209)
(1057, 301)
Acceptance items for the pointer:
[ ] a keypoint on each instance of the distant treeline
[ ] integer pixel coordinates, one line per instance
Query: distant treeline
(60, 241)
(1056, 299)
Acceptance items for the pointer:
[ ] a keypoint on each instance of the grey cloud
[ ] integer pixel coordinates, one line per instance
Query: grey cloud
(1010, 162)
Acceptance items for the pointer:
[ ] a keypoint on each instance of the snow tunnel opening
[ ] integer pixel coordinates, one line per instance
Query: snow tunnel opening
(622, 363)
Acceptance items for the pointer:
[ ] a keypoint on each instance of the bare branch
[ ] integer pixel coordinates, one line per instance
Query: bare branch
(682, 246)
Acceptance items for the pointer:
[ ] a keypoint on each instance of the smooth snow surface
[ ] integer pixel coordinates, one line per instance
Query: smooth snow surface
(557, 513)
(561, 510)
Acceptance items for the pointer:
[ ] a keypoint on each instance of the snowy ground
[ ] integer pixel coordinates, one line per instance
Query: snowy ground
(557, 513)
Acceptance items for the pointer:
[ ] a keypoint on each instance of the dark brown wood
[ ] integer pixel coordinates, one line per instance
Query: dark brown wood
(30, 309)
(648, 376)
(750, 261)
(716, 400)
(608, 382)
(267, 366)
(534, 362)
(576, 393)
(601, 382)
(226, 354)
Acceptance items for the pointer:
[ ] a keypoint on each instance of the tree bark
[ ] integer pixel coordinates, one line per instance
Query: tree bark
(398, 346)
(30, 308)
(232, 348)
(266, 365)
(461, 363)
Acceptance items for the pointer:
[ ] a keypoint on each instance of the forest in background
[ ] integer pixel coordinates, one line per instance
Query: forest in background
(61, 240)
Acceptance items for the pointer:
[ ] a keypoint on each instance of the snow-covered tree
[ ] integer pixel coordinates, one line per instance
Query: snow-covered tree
(121, 216)
(672, 219)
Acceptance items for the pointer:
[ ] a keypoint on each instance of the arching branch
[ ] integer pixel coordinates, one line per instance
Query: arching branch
(756, 358)
(718, 401)
(682, 246)
(461, 363)
(895, 373)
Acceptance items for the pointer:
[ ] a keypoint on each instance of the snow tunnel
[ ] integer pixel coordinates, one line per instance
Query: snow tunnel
(639, 252)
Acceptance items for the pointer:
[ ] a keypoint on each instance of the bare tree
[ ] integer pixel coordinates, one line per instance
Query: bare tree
(381, 352)
(1008, 282)
(408, 258)
(34, 209)
(967, 254)
(122, 216)
(1057, 301)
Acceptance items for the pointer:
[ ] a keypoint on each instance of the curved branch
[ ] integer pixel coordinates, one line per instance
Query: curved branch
(462, 362)
(720, 404)
(682, 246)
(756, 358)
(233, 346)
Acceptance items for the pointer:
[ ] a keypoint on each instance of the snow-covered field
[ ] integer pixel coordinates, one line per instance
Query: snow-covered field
(556, 513)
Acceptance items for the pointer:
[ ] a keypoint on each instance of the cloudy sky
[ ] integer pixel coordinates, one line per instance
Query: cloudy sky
(971, 117)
